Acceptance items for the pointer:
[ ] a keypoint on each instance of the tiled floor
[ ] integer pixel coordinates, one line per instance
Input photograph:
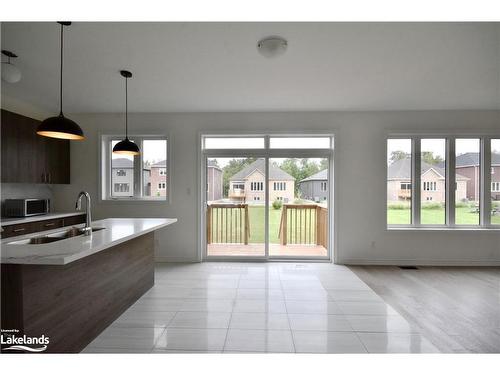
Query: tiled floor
(260, 307)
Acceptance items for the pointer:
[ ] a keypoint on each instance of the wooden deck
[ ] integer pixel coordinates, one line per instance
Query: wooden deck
(255, 249)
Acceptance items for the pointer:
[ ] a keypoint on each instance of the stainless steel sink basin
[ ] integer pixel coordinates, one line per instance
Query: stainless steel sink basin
(53, 237)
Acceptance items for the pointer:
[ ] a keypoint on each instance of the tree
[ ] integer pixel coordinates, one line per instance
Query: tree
(429, 158)
(398, 155)
(299, 169)
(233, 167)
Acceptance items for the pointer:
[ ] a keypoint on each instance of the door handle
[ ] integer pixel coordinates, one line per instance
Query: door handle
(49, 224)
(19, 229)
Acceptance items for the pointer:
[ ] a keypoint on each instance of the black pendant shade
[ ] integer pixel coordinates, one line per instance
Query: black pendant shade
(60, 126)
(126, 147)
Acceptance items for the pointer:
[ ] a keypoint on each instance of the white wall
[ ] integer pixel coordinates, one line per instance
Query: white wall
(360, 162)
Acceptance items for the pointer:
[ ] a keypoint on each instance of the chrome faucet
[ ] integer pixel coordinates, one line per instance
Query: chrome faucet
(87, 231)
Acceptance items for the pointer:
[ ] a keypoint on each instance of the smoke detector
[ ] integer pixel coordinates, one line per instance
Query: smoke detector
(272, 46)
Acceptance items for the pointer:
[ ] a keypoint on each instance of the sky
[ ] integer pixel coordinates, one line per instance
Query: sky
(153, 151)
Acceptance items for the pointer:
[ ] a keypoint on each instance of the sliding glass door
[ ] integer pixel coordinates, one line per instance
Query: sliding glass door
(235, 206)
(298, 207)
(262, 200)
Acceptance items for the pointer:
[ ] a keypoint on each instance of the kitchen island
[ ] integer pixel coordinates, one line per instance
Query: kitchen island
(71, 289)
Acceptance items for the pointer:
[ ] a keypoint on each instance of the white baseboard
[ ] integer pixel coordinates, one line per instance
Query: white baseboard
(160, 259)
(419, 262)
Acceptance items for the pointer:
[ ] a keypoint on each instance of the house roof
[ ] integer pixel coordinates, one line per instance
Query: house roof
(320, 176)
(160, 164)
(122, 163)
(472, 159)
(275, 173)
(401, 170)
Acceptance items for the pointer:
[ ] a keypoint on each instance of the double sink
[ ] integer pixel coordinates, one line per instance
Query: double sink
(53, 237)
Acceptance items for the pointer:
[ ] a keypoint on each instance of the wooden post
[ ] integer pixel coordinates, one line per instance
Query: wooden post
(209, 224)
(283, 225)
(247, 225)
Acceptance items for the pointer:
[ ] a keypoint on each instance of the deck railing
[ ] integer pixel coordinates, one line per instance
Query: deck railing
(228, 223)
(304, 224)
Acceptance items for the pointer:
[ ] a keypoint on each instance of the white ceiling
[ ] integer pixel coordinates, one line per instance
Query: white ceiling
(216, 67)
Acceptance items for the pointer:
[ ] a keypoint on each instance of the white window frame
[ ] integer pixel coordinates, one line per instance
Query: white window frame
(269, 153)
(104, 169)
(495, 187)
(484, 181)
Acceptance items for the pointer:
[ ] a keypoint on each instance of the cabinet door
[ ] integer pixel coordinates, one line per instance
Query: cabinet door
(57, 163)
(30, 158)
(19, 149)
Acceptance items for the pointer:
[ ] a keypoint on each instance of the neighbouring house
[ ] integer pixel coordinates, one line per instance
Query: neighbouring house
(214, 181)
(159, 179)
(122, 177)
(248, 184)
(432, 180)
(468, 165)
(315, 187)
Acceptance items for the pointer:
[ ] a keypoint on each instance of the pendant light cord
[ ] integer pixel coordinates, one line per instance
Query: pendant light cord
(126, 108)
(61, 76)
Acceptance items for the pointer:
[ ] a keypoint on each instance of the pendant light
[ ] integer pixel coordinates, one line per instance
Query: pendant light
(10, 72)
(126, 147)
(60, 126)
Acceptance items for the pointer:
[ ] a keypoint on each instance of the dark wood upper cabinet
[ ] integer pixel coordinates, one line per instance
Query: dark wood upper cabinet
(30, 158)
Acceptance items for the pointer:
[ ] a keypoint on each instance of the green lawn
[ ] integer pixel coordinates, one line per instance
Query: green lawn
(463, 215)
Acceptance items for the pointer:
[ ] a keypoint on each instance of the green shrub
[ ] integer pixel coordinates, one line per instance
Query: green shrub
(462, 204)
(398, 206)
(432, 206)
(277, 204)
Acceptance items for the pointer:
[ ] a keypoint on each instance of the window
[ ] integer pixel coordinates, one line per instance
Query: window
(430, 186)
(256, 198)
(280, 186)
(121, 188)
(256, 186)
(468, 181)
(233, 142)
(323, 185)
(300, 142)
(399, 181)
(134, 177)
(495, 182)
(457, 162)
(433, 181)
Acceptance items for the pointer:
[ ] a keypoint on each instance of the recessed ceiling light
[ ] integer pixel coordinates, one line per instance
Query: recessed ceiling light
(272, 46)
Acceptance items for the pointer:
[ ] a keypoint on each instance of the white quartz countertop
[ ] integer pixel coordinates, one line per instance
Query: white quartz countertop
(30, 219)
(70, 249)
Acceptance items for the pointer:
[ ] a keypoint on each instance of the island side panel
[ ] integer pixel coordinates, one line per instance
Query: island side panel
(73, 304)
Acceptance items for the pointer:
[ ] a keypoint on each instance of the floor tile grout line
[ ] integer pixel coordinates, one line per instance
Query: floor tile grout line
(289, 322)
(230, 317)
